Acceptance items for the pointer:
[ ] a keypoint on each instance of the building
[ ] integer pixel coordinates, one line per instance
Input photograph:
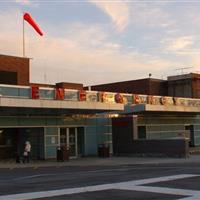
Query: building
(14, 70)
(135, 116)
(47, 115)
(186, 85)
(148, 86)
(160, 111)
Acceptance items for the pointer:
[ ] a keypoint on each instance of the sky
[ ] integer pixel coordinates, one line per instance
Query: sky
(95, 42)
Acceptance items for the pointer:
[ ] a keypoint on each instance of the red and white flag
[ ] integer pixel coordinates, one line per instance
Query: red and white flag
(27, 17)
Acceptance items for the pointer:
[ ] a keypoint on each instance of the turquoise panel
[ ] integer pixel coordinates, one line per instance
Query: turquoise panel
(47, 94)
(51, 131)
(73, 121)
(197, 126)
(31, 122)
(51, 121)
(7, 121)
(51, 140)
(51, 152)
(71, 95)
(24, 92)
(197, 137)
(90, 141)
(8, 91)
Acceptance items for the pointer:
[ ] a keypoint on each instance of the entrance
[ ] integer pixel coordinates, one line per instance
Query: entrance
(73, 138)
(12, 141)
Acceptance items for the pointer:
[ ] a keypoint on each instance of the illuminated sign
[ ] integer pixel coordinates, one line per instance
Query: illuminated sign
(108, 97)
(82, 95)
(91, 96)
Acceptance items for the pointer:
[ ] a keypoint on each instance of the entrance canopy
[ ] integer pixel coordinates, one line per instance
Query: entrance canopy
(141, 108)
(34, 100)
(15, 106)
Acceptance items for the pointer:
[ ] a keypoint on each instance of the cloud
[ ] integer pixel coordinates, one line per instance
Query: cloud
(24, 2)
(118, 11)
(178, 44)
(27, 3)
(83, 54)
(149, 14)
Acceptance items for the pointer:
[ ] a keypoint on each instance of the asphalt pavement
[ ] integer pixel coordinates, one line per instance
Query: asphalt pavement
(114, 178)
(95, 161)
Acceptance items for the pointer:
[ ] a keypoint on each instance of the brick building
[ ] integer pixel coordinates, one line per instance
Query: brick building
(65, 114)
(186, 85)
(14, 70)
(141, 86)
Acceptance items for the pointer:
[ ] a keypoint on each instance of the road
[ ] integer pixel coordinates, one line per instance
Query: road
(135, 182)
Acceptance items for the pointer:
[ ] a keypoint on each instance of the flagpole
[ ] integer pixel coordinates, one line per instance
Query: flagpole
(23, 37)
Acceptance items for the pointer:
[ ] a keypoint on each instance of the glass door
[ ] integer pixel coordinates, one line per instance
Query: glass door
(72, 142)
(63, 137)
(68, 137)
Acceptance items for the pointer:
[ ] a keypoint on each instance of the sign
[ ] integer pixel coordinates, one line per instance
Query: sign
(119, 98)
(59, 94)
(82, 95)
(91, 96)
(139, 99)
(107, 97)
(35, 92)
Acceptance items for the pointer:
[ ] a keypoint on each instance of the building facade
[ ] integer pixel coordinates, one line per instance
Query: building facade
(67, 114)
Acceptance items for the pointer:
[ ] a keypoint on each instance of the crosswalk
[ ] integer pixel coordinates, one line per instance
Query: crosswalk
(135, 185)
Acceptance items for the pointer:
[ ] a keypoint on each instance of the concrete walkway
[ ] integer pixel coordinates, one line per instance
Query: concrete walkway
(95, 161)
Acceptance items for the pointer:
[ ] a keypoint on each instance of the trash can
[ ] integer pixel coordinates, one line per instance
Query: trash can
(103, 151)
(17, 157)
(100, 150)
(65, 153)
(59, 154)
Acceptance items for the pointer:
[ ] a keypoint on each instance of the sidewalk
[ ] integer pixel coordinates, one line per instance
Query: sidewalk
(95, 161)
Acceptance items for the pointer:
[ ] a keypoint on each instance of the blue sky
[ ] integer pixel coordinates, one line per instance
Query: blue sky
(94, 42)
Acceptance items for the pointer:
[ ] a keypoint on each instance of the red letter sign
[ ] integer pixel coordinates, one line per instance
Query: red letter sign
(35, 92)
(60, 93)
(82, 95)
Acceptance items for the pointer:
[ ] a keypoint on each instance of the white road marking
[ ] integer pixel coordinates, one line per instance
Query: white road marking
(129, 185)
(191, 198)
(33, 176)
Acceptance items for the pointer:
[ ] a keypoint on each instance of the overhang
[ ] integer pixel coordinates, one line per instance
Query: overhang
(142, 108)
(54, 107)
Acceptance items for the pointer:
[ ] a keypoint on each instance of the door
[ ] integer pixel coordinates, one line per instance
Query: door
(80, 141)
(72, 137)
(68, 137)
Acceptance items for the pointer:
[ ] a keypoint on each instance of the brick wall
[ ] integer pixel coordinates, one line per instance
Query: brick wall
(16, 64)
(141, 86)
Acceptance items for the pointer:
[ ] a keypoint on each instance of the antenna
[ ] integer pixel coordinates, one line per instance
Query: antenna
(182, 68)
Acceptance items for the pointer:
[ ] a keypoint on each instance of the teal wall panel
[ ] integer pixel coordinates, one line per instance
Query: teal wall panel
(51, 152)
(31, 122)
(51, 141)
(90, 141)
(8, 121)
